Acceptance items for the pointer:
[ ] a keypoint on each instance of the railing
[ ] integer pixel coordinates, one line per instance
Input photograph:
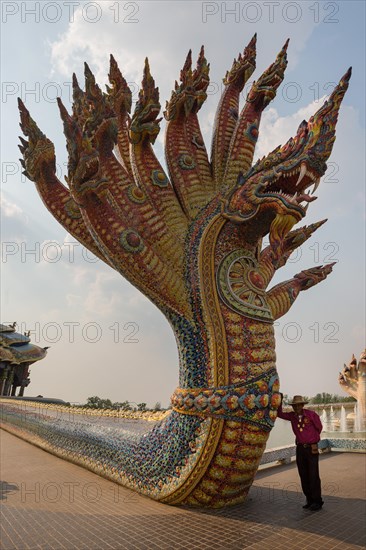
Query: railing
(284, 454)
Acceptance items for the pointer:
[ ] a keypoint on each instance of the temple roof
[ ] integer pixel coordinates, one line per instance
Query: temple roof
(13, 338)
(15, 348)
(7, 328)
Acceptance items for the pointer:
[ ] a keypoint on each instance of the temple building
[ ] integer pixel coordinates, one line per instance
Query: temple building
(16, 356)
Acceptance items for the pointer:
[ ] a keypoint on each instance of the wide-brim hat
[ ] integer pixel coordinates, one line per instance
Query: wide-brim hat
(298, 400)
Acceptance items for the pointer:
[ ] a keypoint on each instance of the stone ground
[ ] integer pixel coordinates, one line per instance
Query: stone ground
(48, 503)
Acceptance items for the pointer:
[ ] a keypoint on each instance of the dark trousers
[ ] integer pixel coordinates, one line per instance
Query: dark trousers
(308, 466)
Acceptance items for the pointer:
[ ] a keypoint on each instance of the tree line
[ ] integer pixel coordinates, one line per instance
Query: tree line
(322, 399)
(96, 402)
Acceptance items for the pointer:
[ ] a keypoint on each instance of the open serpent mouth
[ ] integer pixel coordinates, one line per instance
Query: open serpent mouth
(290, 186)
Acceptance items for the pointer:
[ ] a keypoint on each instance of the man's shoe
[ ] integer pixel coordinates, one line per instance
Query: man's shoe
(307, 505)
(315, 506)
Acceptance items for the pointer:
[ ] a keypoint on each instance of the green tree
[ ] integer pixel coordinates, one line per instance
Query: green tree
(141, 406)
(326, 398)
(93, 402)
(96, 402)
(125, 406)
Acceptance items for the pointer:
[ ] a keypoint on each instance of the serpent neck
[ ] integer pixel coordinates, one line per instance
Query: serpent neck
(220, 346)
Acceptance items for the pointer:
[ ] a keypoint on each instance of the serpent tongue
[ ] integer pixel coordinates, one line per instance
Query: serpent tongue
(306, 198)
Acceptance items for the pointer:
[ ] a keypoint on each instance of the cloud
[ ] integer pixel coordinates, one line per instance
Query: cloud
(103, 296)
(15, 224)
(8, 208)
(73, 299)
(165, 32)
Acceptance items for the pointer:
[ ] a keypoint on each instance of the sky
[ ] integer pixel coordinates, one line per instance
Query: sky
(105, 337)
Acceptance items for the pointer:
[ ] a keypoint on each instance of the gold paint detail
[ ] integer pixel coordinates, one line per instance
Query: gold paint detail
(211, 306)
(213, 438)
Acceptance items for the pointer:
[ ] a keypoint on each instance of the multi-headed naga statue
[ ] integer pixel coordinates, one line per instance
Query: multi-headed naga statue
(352, 380)
(191, 241)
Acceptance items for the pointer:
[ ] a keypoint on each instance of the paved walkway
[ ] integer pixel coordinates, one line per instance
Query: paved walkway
(48, 503)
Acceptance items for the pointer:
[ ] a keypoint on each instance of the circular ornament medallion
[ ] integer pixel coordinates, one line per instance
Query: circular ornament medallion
(135, 194)
(131, 241)
(159, 178)
(186, 162)
(242, 287)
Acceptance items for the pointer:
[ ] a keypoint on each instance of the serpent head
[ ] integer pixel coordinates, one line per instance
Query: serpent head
(276, 189)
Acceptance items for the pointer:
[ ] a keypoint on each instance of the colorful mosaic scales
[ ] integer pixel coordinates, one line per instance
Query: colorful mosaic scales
(255, 401)
(190, 240)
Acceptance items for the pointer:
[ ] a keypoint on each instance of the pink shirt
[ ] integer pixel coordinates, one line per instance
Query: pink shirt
(306, 429)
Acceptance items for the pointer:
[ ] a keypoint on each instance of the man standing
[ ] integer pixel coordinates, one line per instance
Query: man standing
(307, 427)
